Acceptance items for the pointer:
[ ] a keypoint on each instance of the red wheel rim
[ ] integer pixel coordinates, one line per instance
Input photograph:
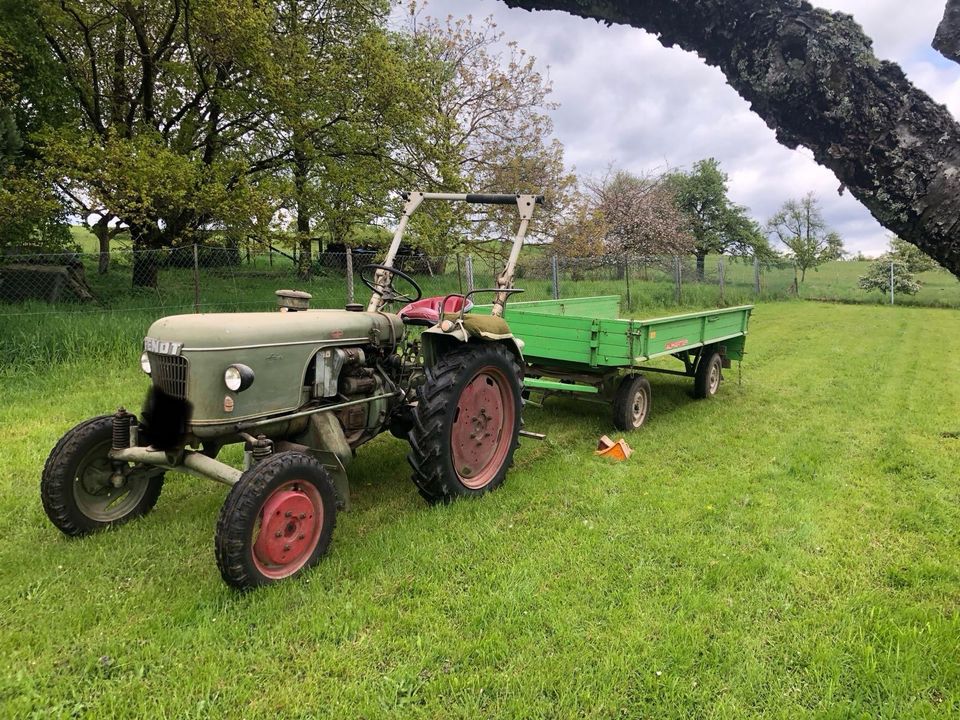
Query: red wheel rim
(482, 429)
(288, 529)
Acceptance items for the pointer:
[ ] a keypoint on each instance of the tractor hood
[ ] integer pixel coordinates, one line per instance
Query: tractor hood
(188, 355)
(221, 331)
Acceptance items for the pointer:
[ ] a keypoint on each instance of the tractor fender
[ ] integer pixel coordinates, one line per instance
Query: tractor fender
(436, 342)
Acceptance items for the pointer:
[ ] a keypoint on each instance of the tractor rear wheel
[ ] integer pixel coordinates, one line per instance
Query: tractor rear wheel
(709, 373)
(631, 404)
(467, 423)
(276, 521)
(84, 491)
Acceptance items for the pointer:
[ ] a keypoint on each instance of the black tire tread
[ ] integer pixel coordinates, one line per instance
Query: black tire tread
(701, 379)
(232, 540)
(56, 481)
(623, 402)
(426, 439)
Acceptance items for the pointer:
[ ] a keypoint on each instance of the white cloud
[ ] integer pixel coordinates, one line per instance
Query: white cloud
(627, 100)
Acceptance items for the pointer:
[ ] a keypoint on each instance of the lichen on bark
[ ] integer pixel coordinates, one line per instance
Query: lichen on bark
(947, 39)
(814, 79)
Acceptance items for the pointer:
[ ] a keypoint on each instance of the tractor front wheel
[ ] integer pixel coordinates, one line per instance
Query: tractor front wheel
(276, 521)
(83, 490)
(467, 423)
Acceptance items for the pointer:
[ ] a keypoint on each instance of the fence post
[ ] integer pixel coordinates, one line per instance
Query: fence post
(756, 275)
(626, 276)
(468, 270)
(349, 276)
(555, 276)
(721, 276)
(196, 280)
(676, 279)
(891, 282)
(459, 275)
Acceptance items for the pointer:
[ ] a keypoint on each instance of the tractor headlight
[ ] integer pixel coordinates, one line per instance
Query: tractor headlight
(145, 363)
(238, 378)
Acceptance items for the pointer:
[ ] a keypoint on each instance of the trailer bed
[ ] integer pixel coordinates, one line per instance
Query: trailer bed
(579, 346)
(587, 332)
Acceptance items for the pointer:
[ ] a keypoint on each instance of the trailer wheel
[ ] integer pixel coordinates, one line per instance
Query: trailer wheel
(84, 491)
(706, 382)
(631, 404)
(467, 423)
(276, 521)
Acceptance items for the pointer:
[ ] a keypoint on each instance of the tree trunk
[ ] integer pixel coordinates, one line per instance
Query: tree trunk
(812, 76)
(301, 169)
(146, 261)
(701, 264)
(305, 260)
(146, 269)
(101, 230)
(621, 267)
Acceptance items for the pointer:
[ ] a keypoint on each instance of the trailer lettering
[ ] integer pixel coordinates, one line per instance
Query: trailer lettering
(675, 344)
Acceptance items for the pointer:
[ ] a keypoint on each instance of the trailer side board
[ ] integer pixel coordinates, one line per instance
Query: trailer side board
(587, 332)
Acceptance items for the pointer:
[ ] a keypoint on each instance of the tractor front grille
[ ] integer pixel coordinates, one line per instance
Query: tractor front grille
(169, 373)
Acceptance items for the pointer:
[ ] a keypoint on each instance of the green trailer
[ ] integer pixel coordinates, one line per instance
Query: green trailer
(581, 347)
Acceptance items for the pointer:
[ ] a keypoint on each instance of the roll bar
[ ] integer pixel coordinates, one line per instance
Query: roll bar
(477, 198)
(412, 200)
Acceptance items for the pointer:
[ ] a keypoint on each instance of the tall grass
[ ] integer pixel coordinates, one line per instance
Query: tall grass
(36, 334)
(44, 340)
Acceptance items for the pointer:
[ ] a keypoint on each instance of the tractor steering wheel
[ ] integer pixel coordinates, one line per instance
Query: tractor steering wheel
(389, 294)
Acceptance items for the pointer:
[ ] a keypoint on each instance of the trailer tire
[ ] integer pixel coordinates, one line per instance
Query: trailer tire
(631, 403)
(709, 374)
(471, 391)
(268, 529)
(75, 485)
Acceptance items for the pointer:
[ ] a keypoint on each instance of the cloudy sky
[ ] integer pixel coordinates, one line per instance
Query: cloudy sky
(625, 99)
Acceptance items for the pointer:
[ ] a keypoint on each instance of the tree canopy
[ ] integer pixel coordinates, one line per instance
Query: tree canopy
(488, 130)
(913, 257)
(886, 271)
(799, 226)
(174, 118)
(717, 224)
(622, 212)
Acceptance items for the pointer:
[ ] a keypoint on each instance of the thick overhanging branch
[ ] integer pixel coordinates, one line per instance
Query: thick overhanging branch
(813, 78)
(947, 39)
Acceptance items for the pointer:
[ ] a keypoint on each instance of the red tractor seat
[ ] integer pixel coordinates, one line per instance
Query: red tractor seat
(427, 310)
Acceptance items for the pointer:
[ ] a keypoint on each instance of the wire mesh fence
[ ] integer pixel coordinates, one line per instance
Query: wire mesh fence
(201, 278)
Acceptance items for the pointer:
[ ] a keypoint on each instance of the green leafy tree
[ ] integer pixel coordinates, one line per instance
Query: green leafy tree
(164, 96)
(32, 213)
(916, 260)
(799, 226)
(487, 130)
(878, 277)
(343, 95)
(717, 224)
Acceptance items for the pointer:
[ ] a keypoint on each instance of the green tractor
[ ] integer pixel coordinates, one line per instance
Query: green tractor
(302, 389)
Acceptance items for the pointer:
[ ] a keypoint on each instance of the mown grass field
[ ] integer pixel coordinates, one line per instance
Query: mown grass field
(791, 548)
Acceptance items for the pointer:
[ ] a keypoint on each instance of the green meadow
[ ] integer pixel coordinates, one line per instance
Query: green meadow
(790, 548)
